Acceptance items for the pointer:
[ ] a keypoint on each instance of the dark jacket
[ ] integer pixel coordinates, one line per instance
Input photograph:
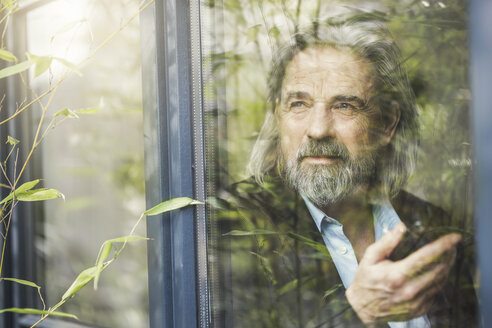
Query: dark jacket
(276, 271)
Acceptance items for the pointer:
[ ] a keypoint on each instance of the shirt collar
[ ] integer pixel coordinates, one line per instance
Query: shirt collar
(385, 216)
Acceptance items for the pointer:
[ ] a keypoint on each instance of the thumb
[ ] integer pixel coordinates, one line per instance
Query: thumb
(382, 248)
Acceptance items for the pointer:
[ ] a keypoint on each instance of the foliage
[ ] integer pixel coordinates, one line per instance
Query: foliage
(433, 39)
(16, 163)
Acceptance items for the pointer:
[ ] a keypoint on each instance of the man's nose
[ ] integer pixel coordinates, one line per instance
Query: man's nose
(321, 122)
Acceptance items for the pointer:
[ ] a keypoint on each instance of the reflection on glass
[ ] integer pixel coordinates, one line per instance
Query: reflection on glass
(353, 120)
(95, 160)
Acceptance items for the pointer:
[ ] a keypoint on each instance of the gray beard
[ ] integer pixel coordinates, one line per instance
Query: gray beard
(327, 184)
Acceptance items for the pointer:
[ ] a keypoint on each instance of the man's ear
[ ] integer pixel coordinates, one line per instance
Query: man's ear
(391, 118)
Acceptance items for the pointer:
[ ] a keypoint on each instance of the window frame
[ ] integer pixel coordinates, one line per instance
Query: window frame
(174, 163)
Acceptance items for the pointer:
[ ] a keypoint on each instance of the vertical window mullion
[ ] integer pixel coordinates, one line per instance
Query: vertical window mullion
(172, 108)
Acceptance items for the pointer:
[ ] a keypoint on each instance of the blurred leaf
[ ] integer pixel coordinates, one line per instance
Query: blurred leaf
(12, 141)
(14, 69)
(288, 287)
(66, 112)
(9, 4)
(251, 233)
(42, 63)
(253, 32)
(172, 204)
(69, 65)
(127, 239)
(91, 110)
(39, 194)
(22, 282)
(22, 188)
(265, 263)
(7, 55)
(332, 290)
(40, 312)
(274, 32)
(82, 279)
(309, 242)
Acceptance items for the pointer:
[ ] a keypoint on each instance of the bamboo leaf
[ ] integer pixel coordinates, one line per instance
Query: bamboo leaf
(288, 287)
(22, 188)
(253, 32)
(126, 239)
(42, 63)
(171, 204)
(14, 69)
(40, 312)
(12, 141)
(39, 194)
(91, 110)
(332, 290)
(22, 282)
(7, 55)
(251, 233)
(66, 112)
(82, 279)
(106, 250)
(103, 255)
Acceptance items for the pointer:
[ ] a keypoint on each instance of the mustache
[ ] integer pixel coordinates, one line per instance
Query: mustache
(322, 148)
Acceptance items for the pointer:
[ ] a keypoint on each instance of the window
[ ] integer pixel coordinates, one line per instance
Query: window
(248, 257)
(96, 161)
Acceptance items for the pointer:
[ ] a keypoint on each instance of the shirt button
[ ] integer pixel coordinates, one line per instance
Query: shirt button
(343, 250)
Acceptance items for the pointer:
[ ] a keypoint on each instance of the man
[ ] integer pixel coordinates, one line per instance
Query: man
(342, 134)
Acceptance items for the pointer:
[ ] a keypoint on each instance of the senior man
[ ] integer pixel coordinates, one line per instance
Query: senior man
(342, 134)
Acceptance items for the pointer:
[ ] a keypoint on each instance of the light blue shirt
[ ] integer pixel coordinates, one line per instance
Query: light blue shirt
(342, 252)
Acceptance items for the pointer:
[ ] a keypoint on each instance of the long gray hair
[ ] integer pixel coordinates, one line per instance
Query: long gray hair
(369, 40)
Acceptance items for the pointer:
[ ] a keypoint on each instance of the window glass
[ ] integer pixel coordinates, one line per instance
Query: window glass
(95, 160)
(327, 124)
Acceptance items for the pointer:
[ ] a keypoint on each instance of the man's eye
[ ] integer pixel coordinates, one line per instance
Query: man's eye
(297, 104)
(344, 106)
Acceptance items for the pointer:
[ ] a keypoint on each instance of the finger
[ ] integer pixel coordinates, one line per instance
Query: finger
(425, 285)
(382, 248)
(431, 253)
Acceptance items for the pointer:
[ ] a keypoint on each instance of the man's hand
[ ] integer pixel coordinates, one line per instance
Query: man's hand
(384, 291)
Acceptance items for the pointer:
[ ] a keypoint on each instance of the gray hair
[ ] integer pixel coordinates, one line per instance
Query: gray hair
(369, 40)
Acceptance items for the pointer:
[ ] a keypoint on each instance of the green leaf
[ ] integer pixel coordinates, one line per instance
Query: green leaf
(106, 250)
(39, 194)
(253, 32)
(332, 290)
(22, 188)
(171, 204)
(251, 233)
(7, 55)
(9, 4)
(40, 312)
(126, 239)
(23, 282)
(274, 32)
(69, 65)
(91, 110)
(103, 255)
(12, 141)
(287, 287)
(42, 63)
(66, 112)
(309, 242)
(82, 279)
(14, 69)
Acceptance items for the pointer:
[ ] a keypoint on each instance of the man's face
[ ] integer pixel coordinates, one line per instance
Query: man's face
(330, 128)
